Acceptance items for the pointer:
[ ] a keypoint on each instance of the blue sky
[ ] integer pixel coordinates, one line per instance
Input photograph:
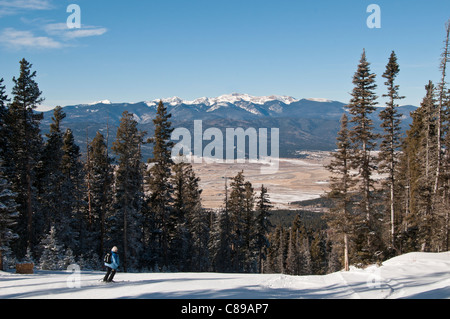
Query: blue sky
(136, 50)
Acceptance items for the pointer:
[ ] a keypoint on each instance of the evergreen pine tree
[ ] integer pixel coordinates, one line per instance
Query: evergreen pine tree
(220, 246)
(440, 190)
(25, 146)
(70, 226)
(440, 106)
(341, 217)
(391, 139)
(263, 226)
(419, 221)
(198, 224)
(8, 214)
(126, 220)
(298, 257)
(410, 170)
(304, 257)
(158, 183)
(317, 251)
(67, 260)
(292, 258)
(191, 234)
(424, 177)
(271, 265)
(236, 209)
(189, 238)
(52, 252)
(361, 106)
(49, 174)
(179, 232)
(100, 178)
(249, 253)
(299, 225)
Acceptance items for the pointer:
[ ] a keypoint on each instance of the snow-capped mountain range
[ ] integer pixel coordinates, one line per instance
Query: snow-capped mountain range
(249, 103)
(305, 124)
(234, 98)
(261, 106)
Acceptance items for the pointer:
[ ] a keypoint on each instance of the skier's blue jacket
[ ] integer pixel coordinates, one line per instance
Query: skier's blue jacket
(114, 261)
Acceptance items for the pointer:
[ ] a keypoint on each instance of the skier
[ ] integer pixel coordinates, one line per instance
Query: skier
(113, 266)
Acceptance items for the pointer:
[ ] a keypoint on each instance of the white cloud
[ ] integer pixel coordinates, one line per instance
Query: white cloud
(9, 7)
(43, 35)
(55, 28)
(17, 39)
(85, 32)
(61, 30)
(58, 35)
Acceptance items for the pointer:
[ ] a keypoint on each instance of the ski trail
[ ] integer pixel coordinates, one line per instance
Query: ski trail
(345, 290)
(353, 293)
(396, 289)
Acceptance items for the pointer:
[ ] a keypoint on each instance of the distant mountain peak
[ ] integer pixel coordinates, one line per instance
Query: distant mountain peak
(239, 97)
(319, 100)
(232, 98)
(100, 102)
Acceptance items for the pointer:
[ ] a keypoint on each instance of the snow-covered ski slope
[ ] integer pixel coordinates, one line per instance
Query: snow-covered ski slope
(413, 275)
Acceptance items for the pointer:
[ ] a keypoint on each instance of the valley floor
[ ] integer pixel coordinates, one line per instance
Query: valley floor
(294, 179)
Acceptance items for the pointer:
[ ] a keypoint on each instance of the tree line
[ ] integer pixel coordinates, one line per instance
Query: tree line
(57, 209)
(390, 192)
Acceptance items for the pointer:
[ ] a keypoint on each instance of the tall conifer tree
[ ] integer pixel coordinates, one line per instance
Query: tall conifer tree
(236, 209)
(198, 224)
(158, 184)
(49, 172)
(25, 149)
(70, 223)
(441, 105)
(126, 220)
(101, 181)
(361, 106)
(263, 226)
(341, 217)
(391, 139)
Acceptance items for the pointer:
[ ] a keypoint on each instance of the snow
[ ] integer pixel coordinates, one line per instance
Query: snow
(299, 162)
(413, 275)
(288, 196)
(222, 100)
(201, 100)
(320, 100)
(237, 97)
(100, 102)
(151, 103)
(171, 101)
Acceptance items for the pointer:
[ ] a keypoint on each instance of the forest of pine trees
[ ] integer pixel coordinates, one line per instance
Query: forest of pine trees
(389, 192)
(407, 209)
(57, 209)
